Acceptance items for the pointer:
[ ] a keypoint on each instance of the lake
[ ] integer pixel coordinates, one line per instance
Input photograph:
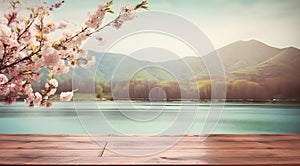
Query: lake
(148, 118)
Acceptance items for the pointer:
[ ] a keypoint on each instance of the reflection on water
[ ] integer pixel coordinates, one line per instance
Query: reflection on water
(148, 118)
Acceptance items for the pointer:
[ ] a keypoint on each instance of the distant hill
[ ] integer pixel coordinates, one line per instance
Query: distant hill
(244, 60)
(284, 64)
(243, 54)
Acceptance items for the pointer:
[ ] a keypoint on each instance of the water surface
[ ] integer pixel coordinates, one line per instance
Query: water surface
(147, 118)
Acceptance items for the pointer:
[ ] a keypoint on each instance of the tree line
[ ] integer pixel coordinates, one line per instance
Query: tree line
(236, 89)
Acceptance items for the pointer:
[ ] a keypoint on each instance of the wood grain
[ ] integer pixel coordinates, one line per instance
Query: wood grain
(221, 149)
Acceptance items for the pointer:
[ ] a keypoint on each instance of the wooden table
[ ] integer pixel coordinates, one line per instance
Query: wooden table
(216, 149)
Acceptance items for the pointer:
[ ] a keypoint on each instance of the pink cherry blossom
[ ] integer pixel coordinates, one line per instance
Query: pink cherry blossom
(50, 56)
(117, 23)
(100, 40)
(54, 83)
(52, 91)
(14, 88)
(3, 21)
(58, 4)
(30, 97)
(60, 68)
(13, 40)
(31, 41)
(127, 12)
(5, 33)
(13, 71)
(11, 99)
(49, 27)
(67, 34)
(35, 65)
(3, 79)
(72, 63)
(4, 90)
(27, 89)
(1, 50)
(66, 96)
(62, 25)
(21, 55)
(38, 97)
(95, 18)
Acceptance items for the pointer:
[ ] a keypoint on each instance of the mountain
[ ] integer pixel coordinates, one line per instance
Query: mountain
(276, 69)
(120, 67)
(243, 54)
(284, 64)
(248, 59)
(287, 61)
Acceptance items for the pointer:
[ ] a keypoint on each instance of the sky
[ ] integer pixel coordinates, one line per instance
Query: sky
(274, 22)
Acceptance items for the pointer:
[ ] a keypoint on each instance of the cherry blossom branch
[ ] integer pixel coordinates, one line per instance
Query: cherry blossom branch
(86, 28)
(33, 53)
(19, 61)
(26, 29)
(21, 64)
(106, 25)
(4, 53)
(71, 38)
(8, 81)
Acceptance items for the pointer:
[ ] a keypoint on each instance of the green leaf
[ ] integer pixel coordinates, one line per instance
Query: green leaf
(18, 29)
(109, 3)
(32, 47)
(51, 76)
(31, 9)
(26, 22)
(143, 5)
(109, 10)
(26, 72)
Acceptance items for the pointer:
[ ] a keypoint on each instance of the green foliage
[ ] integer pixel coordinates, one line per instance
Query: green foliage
(99, 91)
(236, 89)
(243, 89)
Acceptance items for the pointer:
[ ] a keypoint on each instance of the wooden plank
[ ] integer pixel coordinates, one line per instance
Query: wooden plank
(153, 160)
(209, 153)
(148, 145)
(50, 145)
(203, 145)
(217, 149)
(197, 139)
(213, 138)
(48, 139)
(34, 153)
(202, 160)
(148, 135)
(169, 153)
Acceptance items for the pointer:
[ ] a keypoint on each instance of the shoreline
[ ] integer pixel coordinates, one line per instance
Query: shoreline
(183, 101)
